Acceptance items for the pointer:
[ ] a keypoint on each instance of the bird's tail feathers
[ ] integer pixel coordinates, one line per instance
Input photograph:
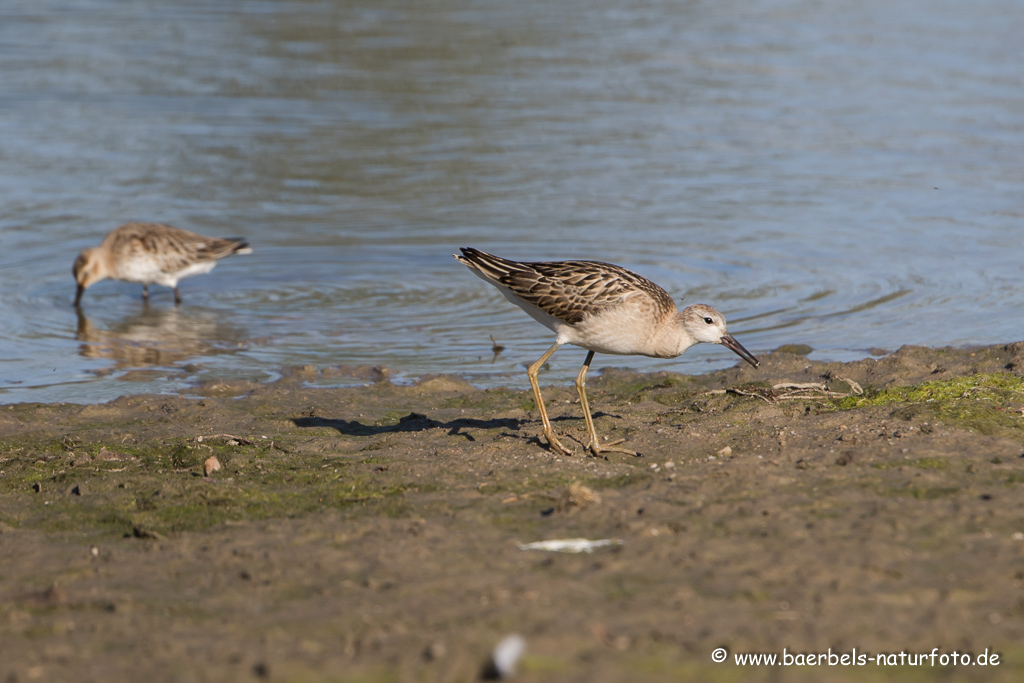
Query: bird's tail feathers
(226, 246)
(488, 265)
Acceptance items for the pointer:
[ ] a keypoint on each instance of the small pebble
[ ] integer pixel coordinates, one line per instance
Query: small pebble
(504, 658)
(725, 452)
(434, 651)
(211, 465)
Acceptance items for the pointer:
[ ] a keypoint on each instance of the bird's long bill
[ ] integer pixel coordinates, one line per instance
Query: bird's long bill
(729, 342)
(78, 294)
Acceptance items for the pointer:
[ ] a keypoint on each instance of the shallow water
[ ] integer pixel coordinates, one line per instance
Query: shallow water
(845, 175)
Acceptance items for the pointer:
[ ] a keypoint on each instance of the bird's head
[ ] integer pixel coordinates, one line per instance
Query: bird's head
(88, 270)
(706, 324)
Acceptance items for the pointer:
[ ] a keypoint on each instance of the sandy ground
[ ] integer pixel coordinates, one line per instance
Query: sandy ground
(374, 533)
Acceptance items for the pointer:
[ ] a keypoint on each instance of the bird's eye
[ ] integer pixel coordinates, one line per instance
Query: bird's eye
(709, 321)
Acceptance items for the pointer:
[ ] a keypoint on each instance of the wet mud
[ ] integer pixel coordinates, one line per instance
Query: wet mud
(373, 533)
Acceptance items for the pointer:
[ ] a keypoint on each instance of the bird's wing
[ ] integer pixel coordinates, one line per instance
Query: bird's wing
(568, 290)
(172, 248)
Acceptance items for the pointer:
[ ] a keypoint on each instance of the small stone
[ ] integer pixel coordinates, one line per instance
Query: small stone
(725, 452)
(104, 454)
(211, 465)
(845, 458)
(503, 659)
(435, 651)
(54, 595)
(795, 349)
(622, 643)
(576, 495)
(139, 532)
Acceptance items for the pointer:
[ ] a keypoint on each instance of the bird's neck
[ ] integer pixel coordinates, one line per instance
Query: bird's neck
(107, 262)
(672, 339)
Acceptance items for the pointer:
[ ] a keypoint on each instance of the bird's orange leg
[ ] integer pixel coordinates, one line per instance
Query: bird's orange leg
(549, 433)
(595, 445)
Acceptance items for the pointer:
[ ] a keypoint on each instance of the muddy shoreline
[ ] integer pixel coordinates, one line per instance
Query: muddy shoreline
(373, 533)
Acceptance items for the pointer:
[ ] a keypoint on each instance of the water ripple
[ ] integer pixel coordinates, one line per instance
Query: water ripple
(820, 175)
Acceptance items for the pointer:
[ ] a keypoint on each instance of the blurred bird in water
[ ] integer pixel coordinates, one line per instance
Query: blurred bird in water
(152, 253)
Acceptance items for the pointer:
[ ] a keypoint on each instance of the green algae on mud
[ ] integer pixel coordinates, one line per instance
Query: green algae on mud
(162, 490)
(991, 403)
(157, 484)
(70, 485)
(352, 532)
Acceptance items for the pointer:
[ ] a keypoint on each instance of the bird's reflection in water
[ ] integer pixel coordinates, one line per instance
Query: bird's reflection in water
(158, 337)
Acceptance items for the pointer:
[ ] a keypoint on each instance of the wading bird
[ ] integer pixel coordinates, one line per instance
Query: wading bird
(602, 308)
(152, 253)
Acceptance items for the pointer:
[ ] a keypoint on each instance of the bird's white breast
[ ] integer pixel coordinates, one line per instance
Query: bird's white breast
(623, 330)
(148, 271)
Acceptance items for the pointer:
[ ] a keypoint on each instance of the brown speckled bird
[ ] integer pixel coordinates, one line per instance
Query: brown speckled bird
(152, 253)
(602, 308)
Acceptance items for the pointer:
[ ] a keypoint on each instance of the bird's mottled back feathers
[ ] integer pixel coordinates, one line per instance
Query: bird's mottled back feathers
(568, 290)
(173, 248)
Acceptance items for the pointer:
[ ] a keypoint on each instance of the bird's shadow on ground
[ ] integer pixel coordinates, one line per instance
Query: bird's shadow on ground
(413, 422)
(418, 422)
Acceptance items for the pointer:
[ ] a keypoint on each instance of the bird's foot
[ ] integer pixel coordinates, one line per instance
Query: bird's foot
(556, 445)
(611, 447)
